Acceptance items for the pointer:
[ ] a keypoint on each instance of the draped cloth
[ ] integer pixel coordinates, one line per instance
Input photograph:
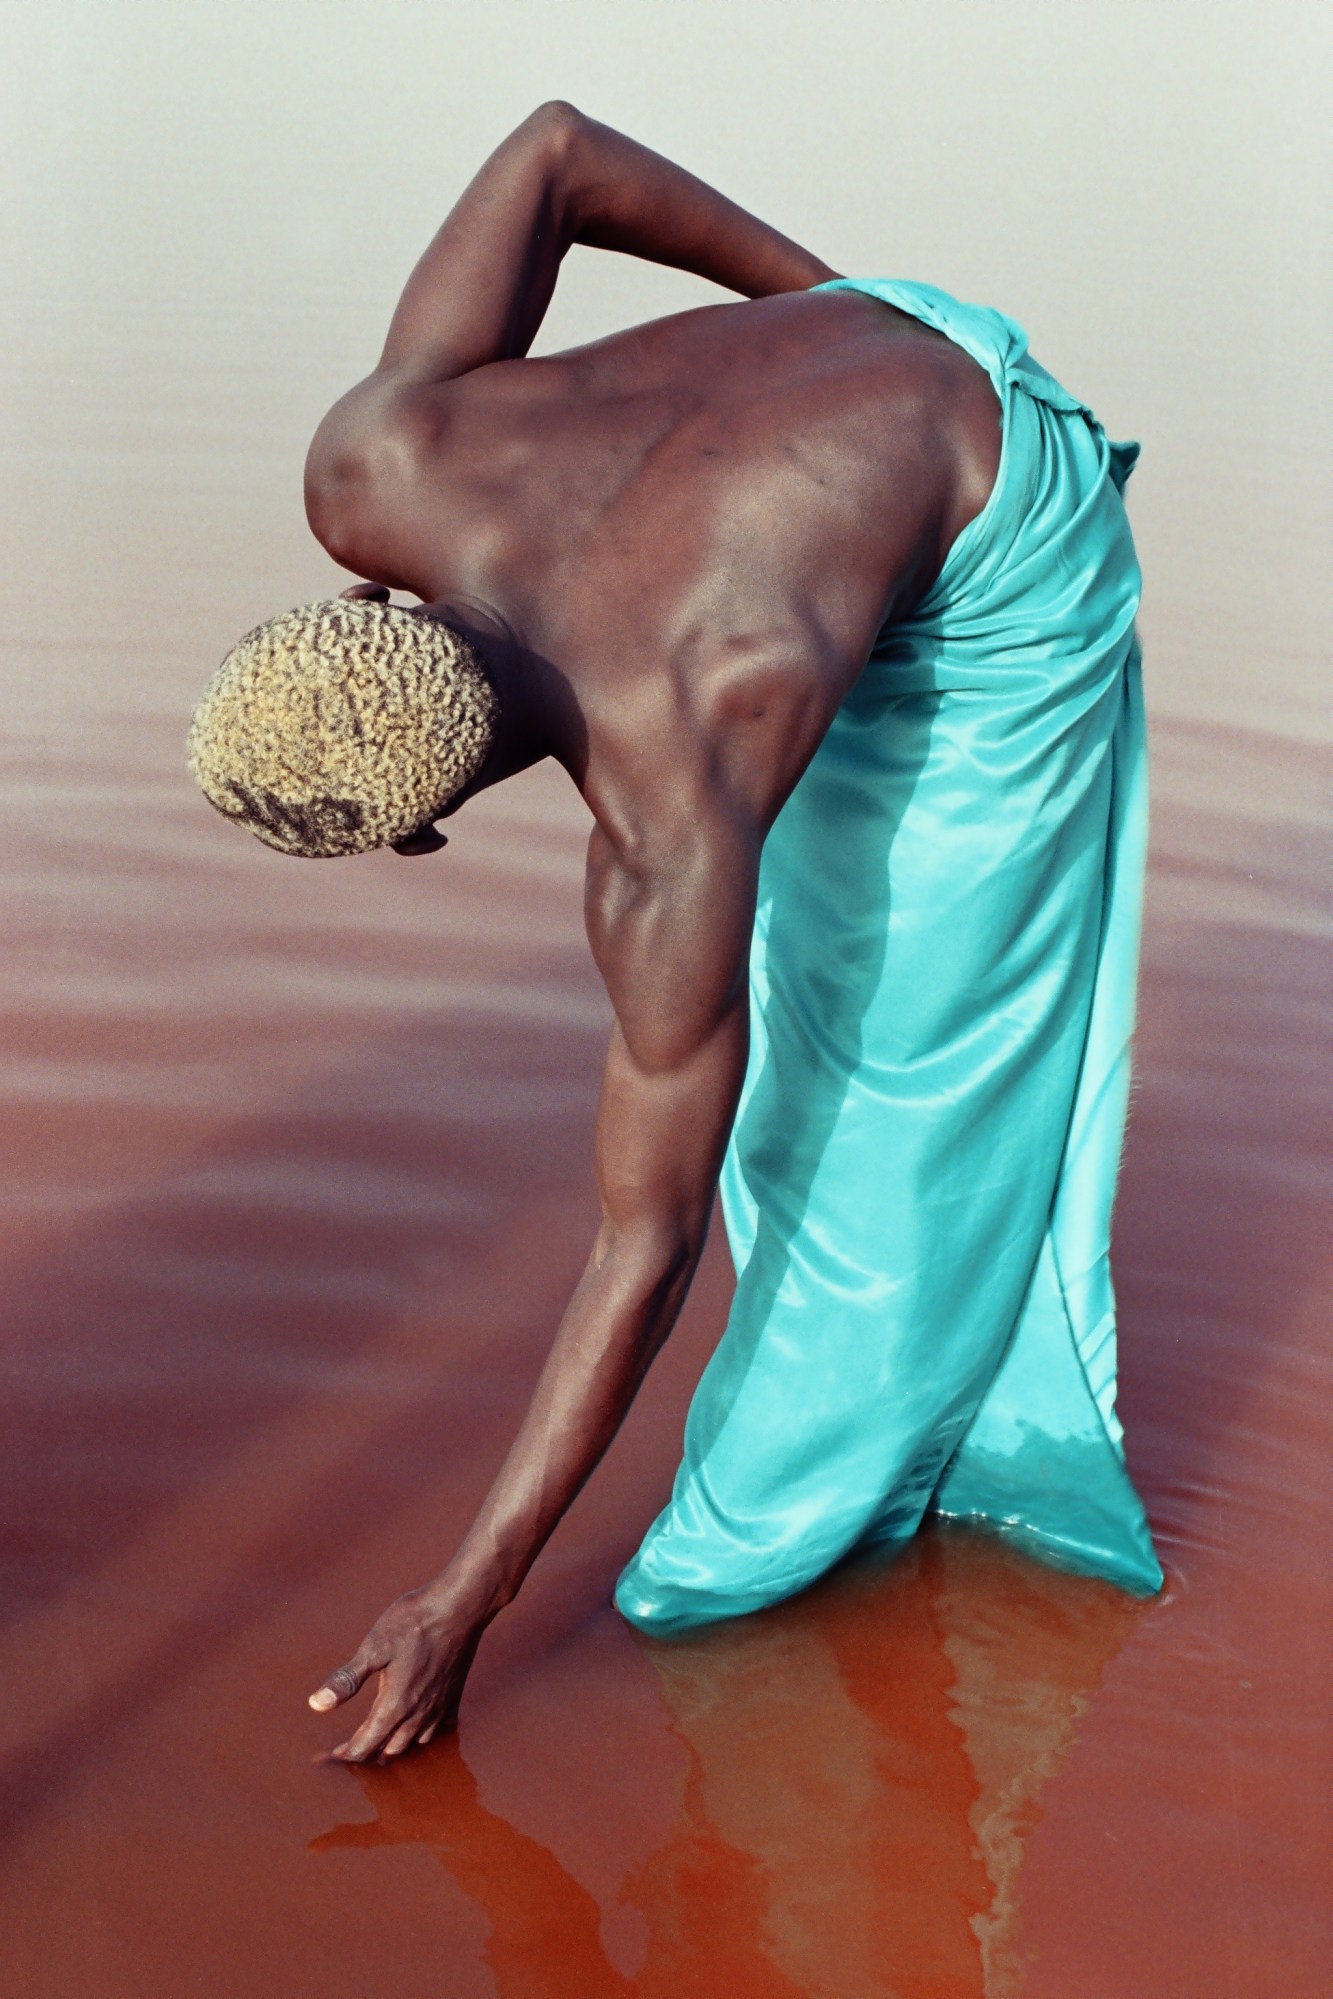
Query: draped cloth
(919, 1182)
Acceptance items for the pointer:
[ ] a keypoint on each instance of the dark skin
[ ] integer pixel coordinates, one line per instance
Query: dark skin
(674, 549)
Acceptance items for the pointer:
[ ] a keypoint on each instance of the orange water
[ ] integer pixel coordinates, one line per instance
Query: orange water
(296, 1180)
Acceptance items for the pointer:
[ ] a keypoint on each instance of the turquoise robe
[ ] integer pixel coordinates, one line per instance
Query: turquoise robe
(919, 1183)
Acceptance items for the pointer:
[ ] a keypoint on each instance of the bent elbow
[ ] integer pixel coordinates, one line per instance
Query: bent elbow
(557, 130)
(557, 119)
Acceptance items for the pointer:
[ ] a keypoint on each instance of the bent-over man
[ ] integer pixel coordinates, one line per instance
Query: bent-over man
(825, 600)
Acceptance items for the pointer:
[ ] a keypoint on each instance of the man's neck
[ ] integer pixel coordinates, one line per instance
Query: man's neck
(538, 715)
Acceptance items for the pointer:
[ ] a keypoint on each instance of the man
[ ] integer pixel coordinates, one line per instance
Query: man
(836, 576)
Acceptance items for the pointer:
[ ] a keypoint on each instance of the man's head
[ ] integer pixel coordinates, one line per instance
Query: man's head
(342, 726)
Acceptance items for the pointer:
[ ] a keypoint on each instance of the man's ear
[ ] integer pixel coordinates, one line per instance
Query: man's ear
(366, 593)
(425, 840)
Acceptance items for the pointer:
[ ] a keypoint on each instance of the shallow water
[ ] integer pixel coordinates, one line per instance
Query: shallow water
(296, 1179)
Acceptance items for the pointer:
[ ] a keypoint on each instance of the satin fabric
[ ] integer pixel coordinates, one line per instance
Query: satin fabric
(919, 1184)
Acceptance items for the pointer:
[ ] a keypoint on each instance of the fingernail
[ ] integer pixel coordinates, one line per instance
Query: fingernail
(323, 1699)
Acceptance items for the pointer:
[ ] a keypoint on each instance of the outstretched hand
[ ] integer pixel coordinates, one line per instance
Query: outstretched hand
(422, 1655)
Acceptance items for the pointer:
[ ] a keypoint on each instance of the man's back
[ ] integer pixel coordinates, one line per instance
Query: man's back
(702, 522)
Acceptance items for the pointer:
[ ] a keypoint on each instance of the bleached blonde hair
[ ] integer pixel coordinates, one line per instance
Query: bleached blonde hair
(342, 725)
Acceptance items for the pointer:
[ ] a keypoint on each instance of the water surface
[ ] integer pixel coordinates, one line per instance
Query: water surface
(297, 1178)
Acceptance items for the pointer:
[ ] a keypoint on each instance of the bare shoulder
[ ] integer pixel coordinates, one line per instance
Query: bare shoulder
(365, 453)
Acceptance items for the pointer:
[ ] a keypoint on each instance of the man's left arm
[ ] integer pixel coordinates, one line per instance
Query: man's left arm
(671, 937)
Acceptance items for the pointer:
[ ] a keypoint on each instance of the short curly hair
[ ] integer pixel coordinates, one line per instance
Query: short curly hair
(341, 726)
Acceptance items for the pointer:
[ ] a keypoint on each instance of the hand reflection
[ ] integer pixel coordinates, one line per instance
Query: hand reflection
(544, 1925)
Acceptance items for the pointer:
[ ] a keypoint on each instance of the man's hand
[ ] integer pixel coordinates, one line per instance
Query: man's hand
(422, 1648)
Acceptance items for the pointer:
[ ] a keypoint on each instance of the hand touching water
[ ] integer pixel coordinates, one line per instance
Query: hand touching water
(422, 1648)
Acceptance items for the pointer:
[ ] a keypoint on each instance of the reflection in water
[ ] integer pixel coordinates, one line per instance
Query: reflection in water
(863, 1767)
(536, 1910)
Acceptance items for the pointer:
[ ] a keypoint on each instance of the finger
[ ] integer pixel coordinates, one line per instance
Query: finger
(442, 1724)
(426, 839)
(346, 1680)
(365, 593)
(403, 1737)
(387, 1714)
